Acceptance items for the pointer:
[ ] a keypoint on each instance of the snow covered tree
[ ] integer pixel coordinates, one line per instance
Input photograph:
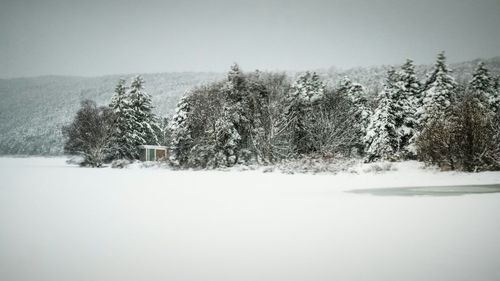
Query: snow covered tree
(123, 123)
(90, 133)
(227, 140)
(439, 66)
(467, 140)
(356, 94)
(235, 82)
(236, 113)
(337, 129)
(406, 99)
(120, 106)
(306, 92)
(263, 138)
(382, 137)
(474, 128)
(256, 107)
(482, 87)
(481, 80)
(438, 94)
(435, 145)
(205, 108)
(146, 127)
(308, 89)
(496, 83)
(496, 87)
(135, 123)
(238, 120)
(181, 140)
(164, 137)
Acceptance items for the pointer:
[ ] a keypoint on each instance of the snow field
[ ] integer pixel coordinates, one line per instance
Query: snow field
(61, 222)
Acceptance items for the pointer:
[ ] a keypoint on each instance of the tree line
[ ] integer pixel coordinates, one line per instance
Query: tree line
(104, 133)
(264, 118)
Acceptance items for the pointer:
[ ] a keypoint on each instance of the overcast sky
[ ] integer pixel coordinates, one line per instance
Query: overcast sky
(95, 37)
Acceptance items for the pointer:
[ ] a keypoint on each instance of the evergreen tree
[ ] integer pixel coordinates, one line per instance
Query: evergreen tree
(356, 94)
(382, 137)
(308, 89)
(165, 137)
(146, 127)
(123, 143)
(181, 140)
(305, 93)
(438, 94)
(482, 87)
(407, 99)
(227, 141)
(135, 122)
(234, 119)
(496, 83)
(496, 87)
(439, 66)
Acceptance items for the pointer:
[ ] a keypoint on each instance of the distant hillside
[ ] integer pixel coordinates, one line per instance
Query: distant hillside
(373, 77)
(33, 110)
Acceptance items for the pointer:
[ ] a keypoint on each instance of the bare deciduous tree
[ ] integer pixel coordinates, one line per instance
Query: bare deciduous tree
(89, 135)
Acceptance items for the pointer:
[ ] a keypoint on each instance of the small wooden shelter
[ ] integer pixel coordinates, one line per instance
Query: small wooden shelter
(152, 152)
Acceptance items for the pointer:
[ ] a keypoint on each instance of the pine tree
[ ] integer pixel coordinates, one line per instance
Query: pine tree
(227, 141)
(308, 89)
(356, 94)
(135, 122)
(146, 127)
(482, 86)
(123, 144)
(235, 82)
(496, 87)
(438, 94)
(407, 99)
(306, 92)
(181, 140)
(496, 83)
(439, 66)
(382, 137)
(235, 116)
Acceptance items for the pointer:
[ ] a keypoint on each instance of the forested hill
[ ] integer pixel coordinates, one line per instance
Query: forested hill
(372, 78)
(33, 110)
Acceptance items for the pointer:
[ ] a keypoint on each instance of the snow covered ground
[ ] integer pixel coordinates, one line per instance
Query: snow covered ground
(61, 222)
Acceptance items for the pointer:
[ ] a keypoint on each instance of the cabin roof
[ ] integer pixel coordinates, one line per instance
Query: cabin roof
(152, 146)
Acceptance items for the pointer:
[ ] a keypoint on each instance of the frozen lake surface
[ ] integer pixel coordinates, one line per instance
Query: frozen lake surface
(60, 223)
(431, 190)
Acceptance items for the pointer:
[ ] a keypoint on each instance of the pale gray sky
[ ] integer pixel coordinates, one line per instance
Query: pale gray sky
(94, 37)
